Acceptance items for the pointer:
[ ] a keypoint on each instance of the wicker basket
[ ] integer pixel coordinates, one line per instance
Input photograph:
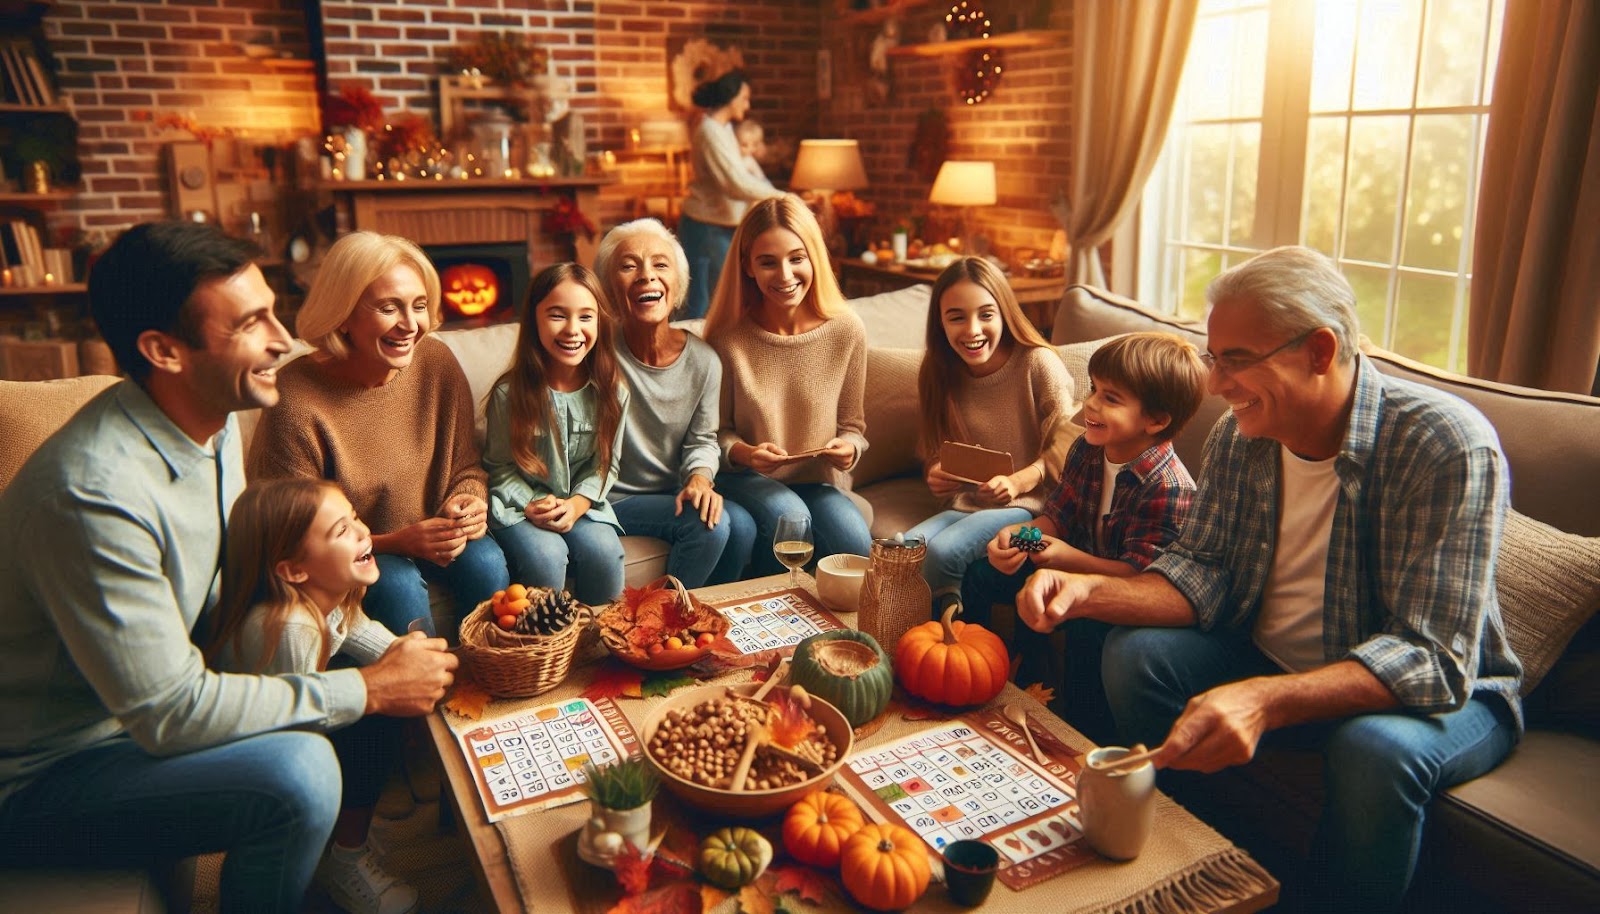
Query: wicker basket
(514, 665)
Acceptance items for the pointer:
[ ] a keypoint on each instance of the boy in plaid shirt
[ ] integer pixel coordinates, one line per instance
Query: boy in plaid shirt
(1122, 498)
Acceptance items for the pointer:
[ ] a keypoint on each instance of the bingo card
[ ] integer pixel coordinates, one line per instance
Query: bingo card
(968, 779)
(775, 621)
(532, 760)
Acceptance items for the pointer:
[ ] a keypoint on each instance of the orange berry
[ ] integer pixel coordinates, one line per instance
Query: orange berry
(705, 639)
(506, 621)
(674, 643)
(655, 649)
(518, 605)
(516, 591)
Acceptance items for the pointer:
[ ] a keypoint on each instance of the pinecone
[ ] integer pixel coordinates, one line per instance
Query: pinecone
(1028, 539)
(548, 613)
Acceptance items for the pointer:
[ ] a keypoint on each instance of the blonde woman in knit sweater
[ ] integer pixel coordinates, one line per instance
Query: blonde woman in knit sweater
(794, 367)
(988, 378)
(385, 412)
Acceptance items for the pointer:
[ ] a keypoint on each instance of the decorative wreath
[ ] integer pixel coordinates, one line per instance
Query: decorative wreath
(700, 60)
(979, 71)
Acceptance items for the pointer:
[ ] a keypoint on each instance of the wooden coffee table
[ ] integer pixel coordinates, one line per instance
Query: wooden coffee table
(493, 867)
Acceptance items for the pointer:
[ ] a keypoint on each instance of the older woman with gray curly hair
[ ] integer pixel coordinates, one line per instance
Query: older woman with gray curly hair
(385, 412)
(666, 476)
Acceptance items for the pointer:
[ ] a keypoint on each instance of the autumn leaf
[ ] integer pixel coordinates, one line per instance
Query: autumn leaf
(789, 724)
(804, 881)
(615, 680)
(468, 698)
(1040, 692)
(657, 686)
(754, 900)
(633, 870)
(677, 898)
(711, 896)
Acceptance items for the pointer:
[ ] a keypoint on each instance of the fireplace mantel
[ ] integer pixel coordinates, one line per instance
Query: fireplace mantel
(479, 211)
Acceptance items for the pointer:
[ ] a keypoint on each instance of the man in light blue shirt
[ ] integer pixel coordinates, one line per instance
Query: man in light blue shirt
(1335, 575)
(117, 744)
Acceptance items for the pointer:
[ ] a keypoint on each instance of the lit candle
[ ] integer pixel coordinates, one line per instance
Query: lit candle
(49, 279)
(6, 280)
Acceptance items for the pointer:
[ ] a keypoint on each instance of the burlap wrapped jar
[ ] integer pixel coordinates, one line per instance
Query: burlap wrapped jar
(894, 597)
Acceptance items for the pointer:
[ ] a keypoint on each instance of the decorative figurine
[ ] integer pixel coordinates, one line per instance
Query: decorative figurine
(1028, 539)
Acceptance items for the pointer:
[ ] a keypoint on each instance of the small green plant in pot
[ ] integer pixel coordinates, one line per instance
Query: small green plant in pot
(620, 795)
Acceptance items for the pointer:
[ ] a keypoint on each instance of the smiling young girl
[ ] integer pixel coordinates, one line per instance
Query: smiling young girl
(298, 562)
(555, 433)
(988, 378)
(794, 368)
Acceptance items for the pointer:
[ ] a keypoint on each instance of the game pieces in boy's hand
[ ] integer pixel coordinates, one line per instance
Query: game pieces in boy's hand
(1028, 539)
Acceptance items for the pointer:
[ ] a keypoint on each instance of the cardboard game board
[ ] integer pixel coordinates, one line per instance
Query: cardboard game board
(532, 760)
(774, 621)
(972, 778)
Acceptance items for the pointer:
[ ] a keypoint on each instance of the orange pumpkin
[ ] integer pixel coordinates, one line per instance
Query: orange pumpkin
(885, 867)
(816, 828)
(952, 663)
(470, 288)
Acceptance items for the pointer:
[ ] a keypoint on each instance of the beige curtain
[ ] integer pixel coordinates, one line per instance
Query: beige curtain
(1535, 317)
(1126, 58)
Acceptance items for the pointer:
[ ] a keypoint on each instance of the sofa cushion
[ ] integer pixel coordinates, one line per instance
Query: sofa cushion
(892, 416)
(31, 411)
(1549, 586)
(899, 504)
(1088, 313)
(485, 354)
(895, 320)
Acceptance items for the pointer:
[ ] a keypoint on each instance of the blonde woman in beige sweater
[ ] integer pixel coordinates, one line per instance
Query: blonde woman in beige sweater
(794, 368)
(988, 378)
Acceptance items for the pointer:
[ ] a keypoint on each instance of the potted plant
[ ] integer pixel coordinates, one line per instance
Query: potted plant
(619, 806)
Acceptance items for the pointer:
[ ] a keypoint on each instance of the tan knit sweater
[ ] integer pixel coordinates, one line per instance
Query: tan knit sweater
(798, 392)
(399, 451)
(1023, 409)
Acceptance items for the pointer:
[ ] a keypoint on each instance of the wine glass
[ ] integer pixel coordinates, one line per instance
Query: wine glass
(791, 544)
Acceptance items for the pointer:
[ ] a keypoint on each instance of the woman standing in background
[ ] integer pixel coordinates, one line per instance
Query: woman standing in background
(722, 189)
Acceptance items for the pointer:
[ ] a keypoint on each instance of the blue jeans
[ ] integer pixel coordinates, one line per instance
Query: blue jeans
(958, 538)
(268, 800)
(700, 555)
(401, 594)
(707, 248)
(1380, 770)
(836, 523)
(591, 552)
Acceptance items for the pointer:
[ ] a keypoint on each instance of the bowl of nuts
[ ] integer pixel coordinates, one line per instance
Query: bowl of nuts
(661, 626)
(723, 750)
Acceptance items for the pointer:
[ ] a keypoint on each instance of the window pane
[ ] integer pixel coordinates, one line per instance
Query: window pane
(1424, 308)
(1199, 268)
(1496, 16)
(1248, 64)
(1436, 201)
(1386, 54)
(1377, 159)
(1242, 195)
(1333, 55)
(1452, 52)
(1319, 210)
(1210, 65)
(1372, 299)
(1207, 180)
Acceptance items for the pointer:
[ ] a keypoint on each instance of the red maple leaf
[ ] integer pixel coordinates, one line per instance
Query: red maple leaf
(632, 869)
(615, 680)
(677, 898)
(810, 884)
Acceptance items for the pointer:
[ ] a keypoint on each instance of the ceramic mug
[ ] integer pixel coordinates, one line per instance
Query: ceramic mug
(1118, 809)
(839, 580)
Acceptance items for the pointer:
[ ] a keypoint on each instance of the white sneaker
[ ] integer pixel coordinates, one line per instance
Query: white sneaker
(352, 877)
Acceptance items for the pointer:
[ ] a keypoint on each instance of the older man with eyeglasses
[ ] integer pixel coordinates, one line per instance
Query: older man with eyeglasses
(1333, 586)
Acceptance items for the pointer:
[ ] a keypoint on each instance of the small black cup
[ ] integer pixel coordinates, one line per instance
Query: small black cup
(969, 869)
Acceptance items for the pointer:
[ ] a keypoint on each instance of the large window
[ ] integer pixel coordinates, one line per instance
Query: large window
(1355, 127)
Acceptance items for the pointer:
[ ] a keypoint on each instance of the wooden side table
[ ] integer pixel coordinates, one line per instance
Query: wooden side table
(1037, 296)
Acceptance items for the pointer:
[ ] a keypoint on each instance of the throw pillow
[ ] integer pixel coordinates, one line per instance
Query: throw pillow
(892, 415)
(31, 411)
(1548, 582)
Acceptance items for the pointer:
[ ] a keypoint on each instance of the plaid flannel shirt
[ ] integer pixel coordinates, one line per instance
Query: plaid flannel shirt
(1152, 495)
(1410, 590)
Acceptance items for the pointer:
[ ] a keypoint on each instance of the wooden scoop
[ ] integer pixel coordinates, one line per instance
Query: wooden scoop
(1014, 713)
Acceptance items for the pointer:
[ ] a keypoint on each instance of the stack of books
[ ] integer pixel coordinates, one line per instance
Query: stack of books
(26, 263)
(23, 80)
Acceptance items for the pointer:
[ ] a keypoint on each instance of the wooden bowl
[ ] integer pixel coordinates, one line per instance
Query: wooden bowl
(745, 804)
(665, 659)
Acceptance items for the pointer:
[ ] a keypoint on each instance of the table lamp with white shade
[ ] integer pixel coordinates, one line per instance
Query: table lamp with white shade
(964, 184)
(827, 166)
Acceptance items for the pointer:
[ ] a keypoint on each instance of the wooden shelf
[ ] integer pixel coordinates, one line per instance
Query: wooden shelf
(459, 185)
(12, 198)
(67, 288)
(879, 13)
(14, 108)
(1033, 38)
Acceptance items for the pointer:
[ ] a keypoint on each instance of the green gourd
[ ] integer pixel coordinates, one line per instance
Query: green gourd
(847, 669)
(734, 857)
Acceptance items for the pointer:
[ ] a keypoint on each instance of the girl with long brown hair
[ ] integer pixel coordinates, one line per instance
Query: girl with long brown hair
(554, 436)
(298, 562)
(988, 379)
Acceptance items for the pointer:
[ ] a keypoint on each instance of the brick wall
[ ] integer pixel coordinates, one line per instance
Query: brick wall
(1022, 127)
(117, 59)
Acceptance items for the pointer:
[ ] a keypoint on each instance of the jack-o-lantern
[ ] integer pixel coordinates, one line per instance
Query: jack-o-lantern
(470, 288)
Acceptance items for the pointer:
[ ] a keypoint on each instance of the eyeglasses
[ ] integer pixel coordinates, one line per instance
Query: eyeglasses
(1231, 364)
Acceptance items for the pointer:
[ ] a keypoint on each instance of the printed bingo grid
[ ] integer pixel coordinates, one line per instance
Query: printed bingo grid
(775, 621)
(532, 760)
(957, 782)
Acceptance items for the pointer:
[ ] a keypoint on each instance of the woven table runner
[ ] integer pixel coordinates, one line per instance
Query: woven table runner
(1185, 867)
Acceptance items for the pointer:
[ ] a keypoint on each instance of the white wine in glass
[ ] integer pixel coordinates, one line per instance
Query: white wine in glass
(791, 544)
